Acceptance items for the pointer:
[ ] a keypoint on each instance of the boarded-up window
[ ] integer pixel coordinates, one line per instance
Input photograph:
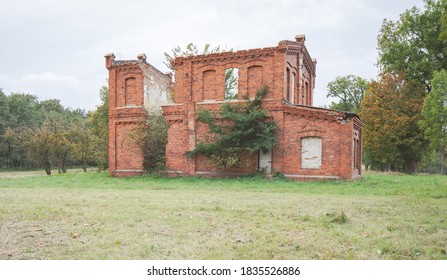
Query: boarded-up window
(130, 92)
(292, 89)
(209, 85)
(254, 80)
(311, 153)
(287, 93)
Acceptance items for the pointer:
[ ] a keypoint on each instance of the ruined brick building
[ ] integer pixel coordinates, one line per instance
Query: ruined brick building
(313, 143)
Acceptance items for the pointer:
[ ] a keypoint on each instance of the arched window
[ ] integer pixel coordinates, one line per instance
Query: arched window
(311, 152)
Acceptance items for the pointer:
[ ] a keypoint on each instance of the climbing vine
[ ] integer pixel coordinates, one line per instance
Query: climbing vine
(237, 130)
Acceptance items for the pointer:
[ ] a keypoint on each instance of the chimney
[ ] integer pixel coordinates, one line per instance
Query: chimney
(300, 38)
(110, 58)
(142, 57)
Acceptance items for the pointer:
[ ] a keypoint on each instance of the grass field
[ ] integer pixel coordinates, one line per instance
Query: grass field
(93, 216)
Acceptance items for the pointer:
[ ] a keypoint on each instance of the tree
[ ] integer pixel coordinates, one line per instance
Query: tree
(37, 142)
(391, 110)
(82, 144)
(152, 138)
(434, 115)
(416, 44)
(4, 124)
(243, 128)
(443, 35)
(24, 110)
(98, 121)
(350, 90)
(14, 153)
(4, 112)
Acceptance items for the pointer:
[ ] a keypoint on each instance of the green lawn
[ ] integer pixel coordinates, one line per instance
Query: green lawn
(93, 216)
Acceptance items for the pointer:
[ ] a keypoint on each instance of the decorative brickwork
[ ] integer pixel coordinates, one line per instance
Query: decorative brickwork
(332, 139)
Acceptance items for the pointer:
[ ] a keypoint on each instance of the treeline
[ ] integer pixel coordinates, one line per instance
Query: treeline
(36, 133)
(405, 110)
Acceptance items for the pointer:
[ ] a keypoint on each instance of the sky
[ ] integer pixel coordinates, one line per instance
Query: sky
(55, 48)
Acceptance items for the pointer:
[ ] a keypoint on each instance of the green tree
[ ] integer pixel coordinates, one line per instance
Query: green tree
(4, 124)
(50, 105)
(98, 121)
(13, 151)
(349, 90)
(37, 142)
(4, 112)
(57, 126)
(82, 144)
(24, 110)
(416, 43)
(391, 111)
(152, 138)
(434, 116)
(21, 111)
(244, 128)
(443, 35)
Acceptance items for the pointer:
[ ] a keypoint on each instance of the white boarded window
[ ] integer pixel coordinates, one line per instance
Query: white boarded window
(311, 153)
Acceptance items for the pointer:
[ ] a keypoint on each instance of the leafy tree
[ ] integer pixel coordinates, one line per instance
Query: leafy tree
(152, 139)
(350, 90)
(37, 142)
(4, 112)
(24, 110)
(13, 152)
(50, 105)
(4, 124)
(443, 35)
(415, 44)
(434, 116)
(98, 121)
(82, 144)
(244, 128)
(391, 110)
(57, 126)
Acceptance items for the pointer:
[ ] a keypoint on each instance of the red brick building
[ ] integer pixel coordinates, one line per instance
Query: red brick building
(313, 143)
(135, 87)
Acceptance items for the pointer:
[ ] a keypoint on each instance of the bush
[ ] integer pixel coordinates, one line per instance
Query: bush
(152, 139)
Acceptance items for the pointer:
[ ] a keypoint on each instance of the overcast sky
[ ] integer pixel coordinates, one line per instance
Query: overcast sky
(56, 48)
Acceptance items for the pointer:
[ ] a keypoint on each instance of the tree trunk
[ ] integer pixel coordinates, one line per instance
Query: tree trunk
(64, 170)
(442, 161)
(47, 166)
(410, 167)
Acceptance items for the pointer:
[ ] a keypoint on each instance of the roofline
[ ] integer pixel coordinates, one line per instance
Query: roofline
(346, 113)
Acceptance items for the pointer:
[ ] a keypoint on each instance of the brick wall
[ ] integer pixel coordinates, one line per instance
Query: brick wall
(289, 72)
(134, 87)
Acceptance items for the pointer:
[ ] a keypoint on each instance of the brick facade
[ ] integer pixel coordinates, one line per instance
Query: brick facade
(331, 139)
(135, 87)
